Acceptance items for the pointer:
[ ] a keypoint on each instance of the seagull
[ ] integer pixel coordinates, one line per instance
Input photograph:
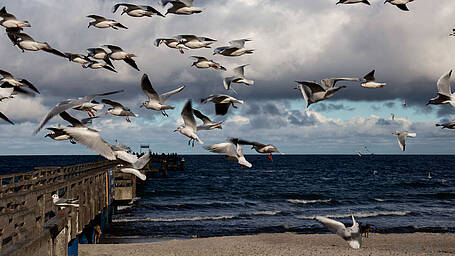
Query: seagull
(97, 65)
(78, 58)
(58, 134)
(313, 92)
(393, 116)
(239, 77)
(182, 7)
(26, 42)
(89, 107)
(222, 103)
(118, 54)
(5, 118)
(202, 62)
(353, 2)
(260, 148)
(189, 128)
(401, 4)
(330, 82)
(8, 78)
(101, 22)
(131, 163)
(118, 109)
(445, 95)
(10, 21)
(351, 234)
(370, 81)
(232, 154)
(235, 48)
(100, 54)
(207, 123)
(123, 147)
(63, 202)
(449, 125)
(137, 10)
(7, 91)
(453, 32)
(195, 42)
(402, 138)
(171, 43)
(156, 102)
(68, 104)
(405, 104)
(429, 176)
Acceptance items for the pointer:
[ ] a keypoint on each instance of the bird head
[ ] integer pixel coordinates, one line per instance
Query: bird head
(178, 129)
(124, 10)
(145, 103)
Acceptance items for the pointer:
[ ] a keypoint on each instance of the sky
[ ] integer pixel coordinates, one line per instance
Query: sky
(293, 40)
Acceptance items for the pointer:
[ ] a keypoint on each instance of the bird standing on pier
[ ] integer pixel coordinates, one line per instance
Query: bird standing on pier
(189, 128)
(64, 202)
(351, 234)
(118, 110)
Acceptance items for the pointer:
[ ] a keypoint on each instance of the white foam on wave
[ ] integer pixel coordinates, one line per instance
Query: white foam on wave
(359, 215)
(379, 199)
(264, 213)
(174, 219)
(298, 201)
(123, 207)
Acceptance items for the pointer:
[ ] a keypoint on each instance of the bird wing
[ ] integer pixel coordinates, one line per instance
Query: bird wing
(96, 17)
(88, 121)
(199, 58)
(8, 16)
(142, 161)
(22, 36)
(92, 140)
(402, 141)
(113, 103)
(330, 82)
(188, 117)
(402, 7)
(221, 109)
(241, 158)
(147, 87)
(129, 6)
(124, 156)
(239, 43)
(222, 148)
(114, 48)
(332, 225)
(29, 85)
(227, 82)
(240, 71)
(314, 87)
(252, 143)
(54, 51)
(165, 96)
(133, 171)
(370, 77)
(6, 91)
(411, 134)
(188, 38)
(2, 116)
(201, 116)
(73, 121)
(132, 63)
(444, 84)
(6, 74)
(93, 51)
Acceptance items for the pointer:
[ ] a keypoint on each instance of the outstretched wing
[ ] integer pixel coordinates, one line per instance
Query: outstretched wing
(222, 148)
(314, 87)
(330, 82)
(73, 121)
(188, 117)
(444, 84)
(96, 17)
(114, 48)
(2, 116)
(239, 43)
(6, 74)
(147, 87)
(112, 103)
(370, 77)
(201, 116)
(240, 71)
(90, 139)
(165, 96)
(332, 225)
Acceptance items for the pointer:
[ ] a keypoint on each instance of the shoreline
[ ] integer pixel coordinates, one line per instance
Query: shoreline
(284, 244)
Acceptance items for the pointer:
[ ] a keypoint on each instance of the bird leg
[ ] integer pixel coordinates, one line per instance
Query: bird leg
(270, 157)
(234, 106)
(128, 119)
(193, 144)
(91, 111)
(181, 51)
(72, 141)
(88, 112)
(189, 142)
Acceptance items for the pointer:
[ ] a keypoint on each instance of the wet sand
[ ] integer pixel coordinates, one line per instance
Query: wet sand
(284, 244)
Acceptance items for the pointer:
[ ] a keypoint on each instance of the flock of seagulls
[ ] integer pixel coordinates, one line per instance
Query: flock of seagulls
(79, 131)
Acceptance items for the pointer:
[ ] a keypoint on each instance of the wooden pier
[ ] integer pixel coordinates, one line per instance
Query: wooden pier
(30, 223)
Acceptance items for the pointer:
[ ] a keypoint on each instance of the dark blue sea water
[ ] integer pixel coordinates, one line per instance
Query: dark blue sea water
(214, 197)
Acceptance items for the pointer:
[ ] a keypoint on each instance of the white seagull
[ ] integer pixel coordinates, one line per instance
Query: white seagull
(97, 65)
(235, 48)
(202, 62)
(89, 107)
(10, 21)
(156, 102)
(222, 103)
(402, 138)
(118, 54)
(207, 123)
(195, 42)
(131, 163)
(189, 128)
(171, 43)
(232, 154)
(401, 4)
(64, 202)
(26, 42)
(100, 54)
(449, 125)
(137, 10)
(351, 234)
(370, 81)
(101, 22)
(445, 95)
(260, 148)
(58, 134)
(182, 7)
(313, 92)
(10, 79)
(239, 77)
(118, 110)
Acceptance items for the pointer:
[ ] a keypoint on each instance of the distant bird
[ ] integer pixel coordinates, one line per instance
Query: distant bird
(89, 107)
(232, 154)
(118, 54)
(331, 82)
(449, 125)
(222, 103)
(68, 104)
(207, 123)
(137, 10)
(118, 110)
(26, 42)
(351, 234)
(401, 4)
(101, 22)
(402, 138)
(370, 81)
(97, 65)
(353, 2)
(235, 48)
(260, 148)
(239, 77)
(445, 95)
(78, 58)
(429, 176)
(100, 54)
(202, 62)
(195, 42)
(131, 163)
(181, 7)
(393, 116)
(5, 118)
(313, 92)
(10, 21)
(189, 128)
(453, 32)
(171, 43)
(10, 79)
(156, 102)
(405, 104)
(63, 202)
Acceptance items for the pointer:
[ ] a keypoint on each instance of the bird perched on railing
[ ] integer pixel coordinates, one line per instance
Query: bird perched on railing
(64, 202)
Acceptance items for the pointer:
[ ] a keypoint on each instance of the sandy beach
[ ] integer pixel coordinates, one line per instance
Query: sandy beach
(285, 244)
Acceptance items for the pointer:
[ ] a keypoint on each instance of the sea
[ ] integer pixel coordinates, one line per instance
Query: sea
(215, 197)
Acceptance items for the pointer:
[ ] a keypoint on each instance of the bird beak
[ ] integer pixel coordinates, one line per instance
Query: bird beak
(175, 130)
(296, 88)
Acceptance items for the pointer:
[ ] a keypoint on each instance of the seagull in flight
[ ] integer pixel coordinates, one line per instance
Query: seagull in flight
(401, 4)
(118, 109)
(171, 43)
(313, 92)
(445, 95)
(10, 21)
(232, 150)
(370, 81)
(156, 101)
(353, 2)
(202, 63)
(207, 123)
(402, 138)
(260, 148)
(101, 22)
(10, 79)
(137, 10)
(118, 54)
(25, 42)
(239, 77)
(235, 48)
(351, 234)
(222, 103)
(181, 7)
(189, 128)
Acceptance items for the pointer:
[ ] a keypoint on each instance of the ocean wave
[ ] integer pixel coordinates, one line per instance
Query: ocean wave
(197, 205)
(379, 199)
(359, 215)
(270, 213)
(298, 201)
(173, 219)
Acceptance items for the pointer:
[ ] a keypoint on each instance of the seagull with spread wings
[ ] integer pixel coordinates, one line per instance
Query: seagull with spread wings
(401, 4)
(232, 150)
(260, 148)
(118, 110)
(445, 95)
(181, 7)
(402, 138)
(238, 77)
(350, 234)
(118, 53)
(313, 92)
(137, 10)
(171, 43)
(222, 103)
(331, 82)
(100, 54)
(10, 21)
(10, 79)
(203, 63)
(195, 42)
(25, 42)
(101, 22)
(235, 48)
(189, 128)
(156, 102)
(370, 81)
(207, 123)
